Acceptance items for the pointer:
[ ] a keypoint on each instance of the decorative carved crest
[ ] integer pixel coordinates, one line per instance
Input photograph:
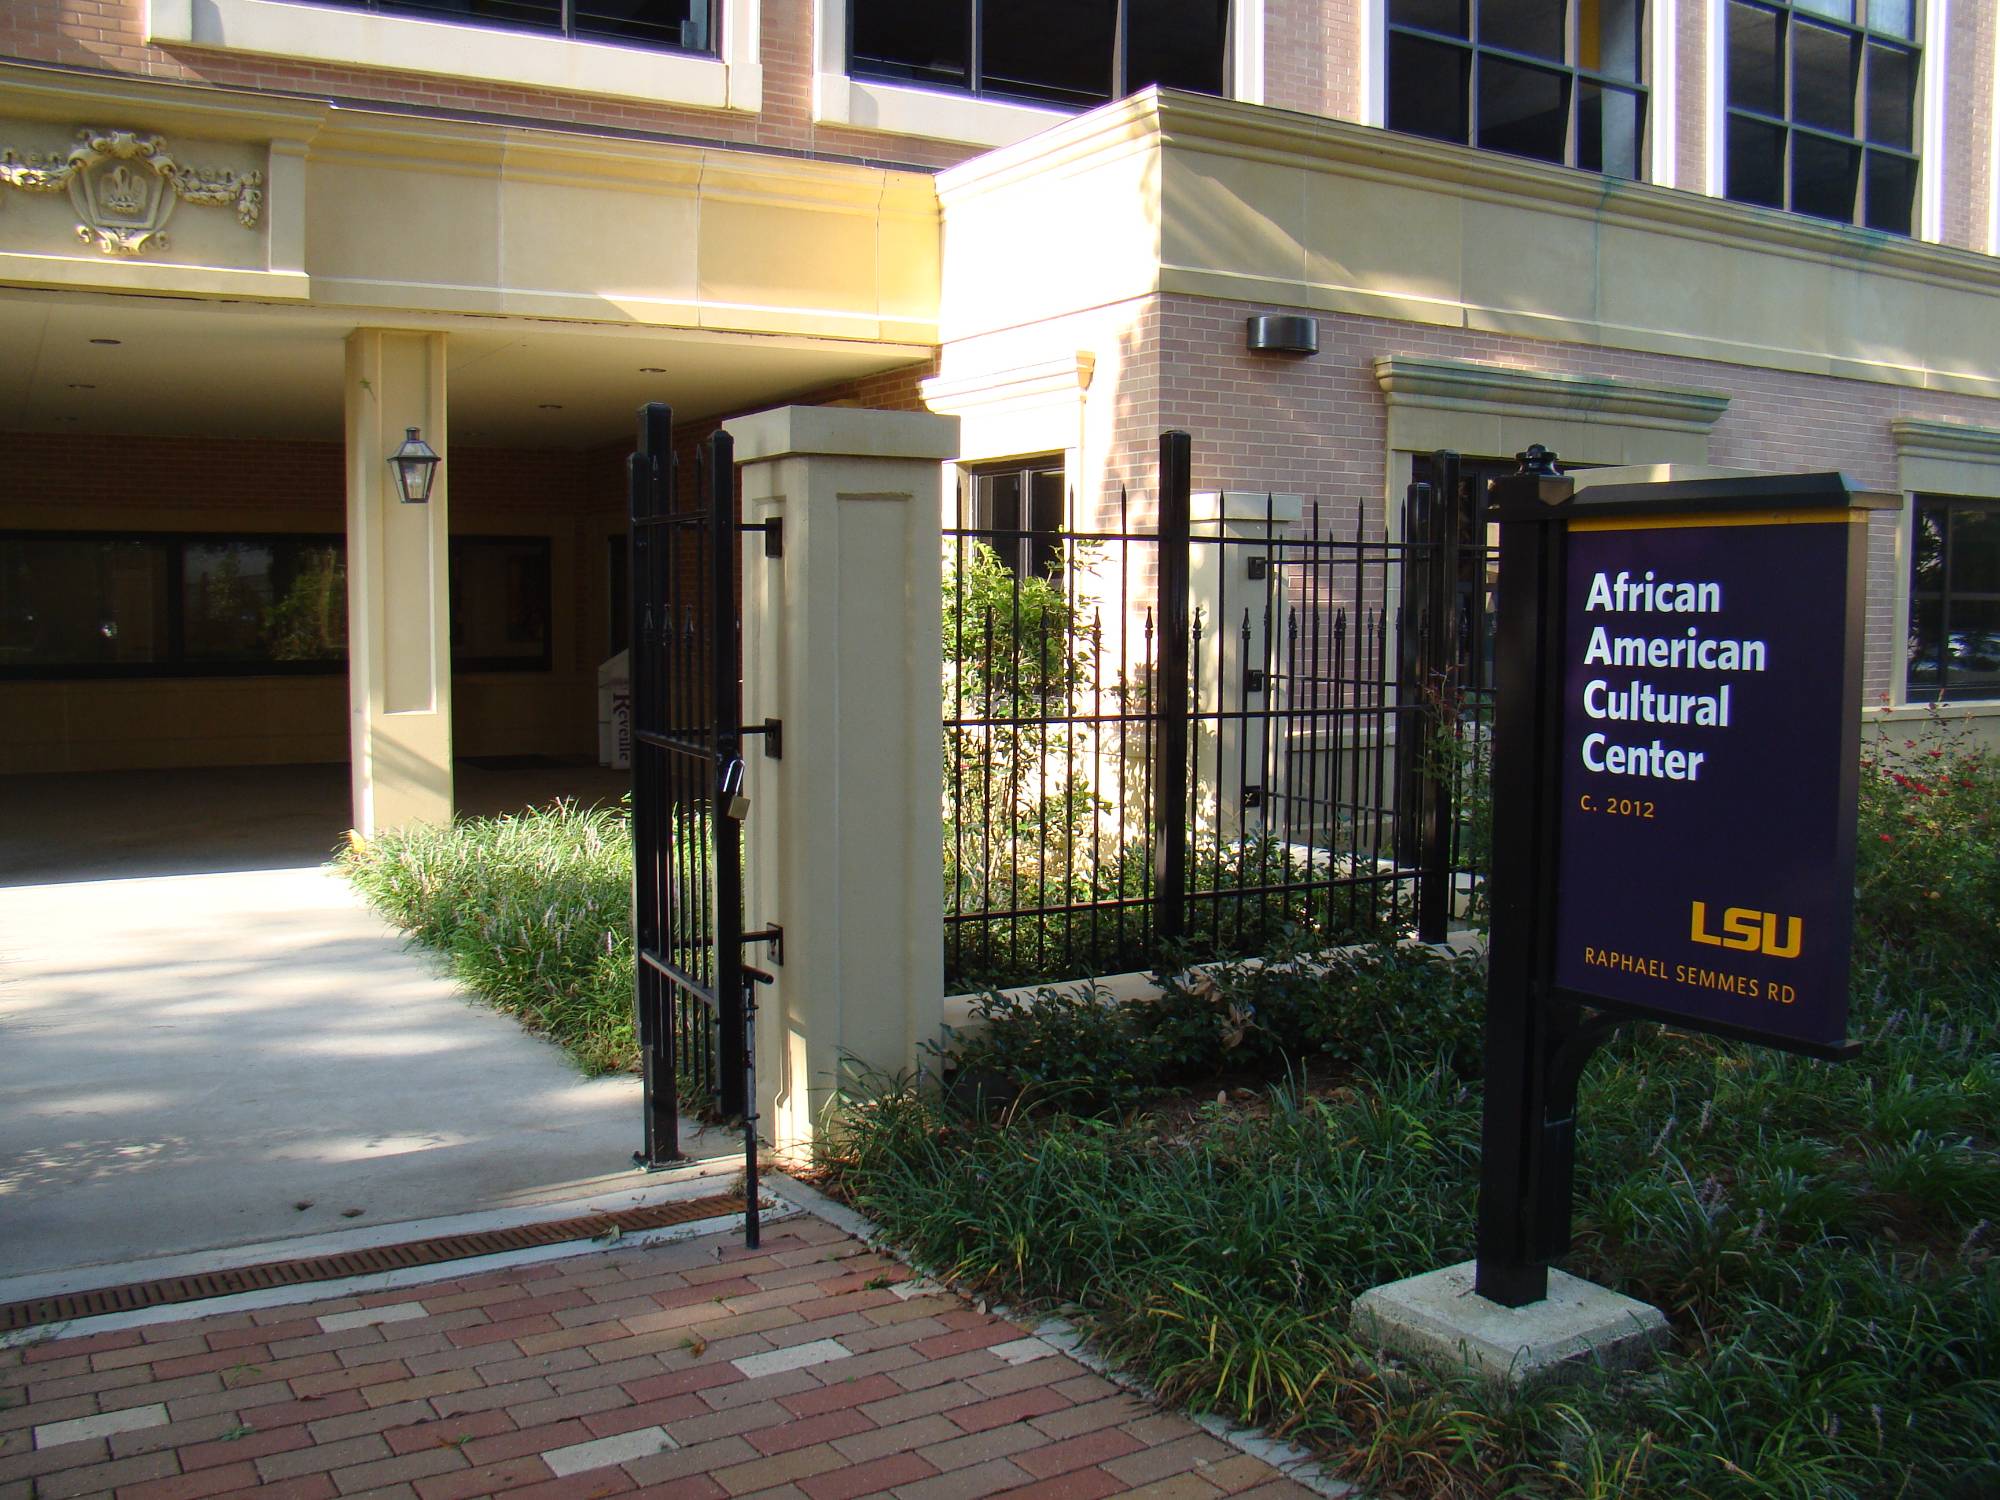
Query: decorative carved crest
(125, 186)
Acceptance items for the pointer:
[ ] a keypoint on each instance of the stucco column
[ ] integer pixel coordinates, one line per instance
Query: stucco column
(843, 846)
(1241, 603)
(398, 615)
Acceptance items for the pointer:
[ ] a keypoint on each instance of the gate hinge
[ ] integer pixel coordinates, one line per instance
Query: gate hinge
(1257, 567)
(1253, 796)
(775, 936)
(773, 731)
(1253, 679)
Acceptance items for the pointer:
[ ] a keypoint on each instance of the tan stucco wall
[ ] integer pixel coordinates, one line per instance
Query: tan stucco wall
(1179, 194)
(363, 213)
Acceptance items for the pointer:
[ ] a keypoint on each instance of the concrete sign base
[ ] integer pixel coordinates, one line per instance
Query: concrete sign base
(1438, 1319)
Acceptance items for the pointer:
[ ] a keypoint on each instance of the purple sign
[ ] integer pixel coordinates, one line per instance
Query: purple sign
(1709, 728)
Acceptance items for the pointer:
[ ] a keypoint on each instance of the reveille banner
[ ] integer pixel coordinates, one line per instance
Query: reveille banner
(1711, 687)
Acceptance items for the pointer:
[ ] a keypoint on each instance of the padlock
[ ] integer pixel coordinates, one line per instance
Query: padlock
(735, 805)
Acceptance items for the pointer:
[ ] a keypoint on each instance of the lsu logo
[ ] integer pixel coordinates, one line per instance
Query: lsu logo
(1748, 931)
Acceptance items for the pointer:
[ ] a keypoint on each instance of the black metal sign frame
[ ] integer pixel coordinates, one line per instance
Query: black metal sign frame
(1539, 1033)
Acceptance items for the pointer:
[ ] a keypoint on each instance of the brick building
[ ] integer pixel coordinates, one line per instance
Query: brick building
(245, 244)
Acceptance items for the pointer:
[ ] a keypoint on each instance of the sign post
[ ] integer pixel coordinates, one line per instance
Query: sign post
(1676, 752)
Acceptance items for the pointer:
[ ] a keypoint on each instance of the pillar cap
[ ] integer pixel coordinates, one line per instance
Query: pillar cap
(842, 431)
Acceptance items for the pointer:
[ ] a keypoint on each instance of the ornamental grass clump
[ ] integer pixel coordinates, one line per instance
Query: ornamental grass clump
(532, 912)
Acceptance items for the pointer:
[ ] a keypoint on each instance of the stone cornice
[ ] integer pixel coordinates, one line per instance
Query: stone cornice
(1961, 442)
(1462, 385)
(34, 91)
(1166, 120)
(1049, 380)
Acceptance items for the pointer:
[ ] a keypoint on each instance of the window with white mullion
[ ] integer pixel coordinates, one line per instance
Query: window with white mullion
(1073, 53)
(1822, 108)
(675, 25)
(1555, 82)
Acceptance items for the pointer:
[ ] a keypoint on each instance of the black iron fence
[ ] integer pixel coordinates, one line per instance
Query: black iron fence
(1221, 729)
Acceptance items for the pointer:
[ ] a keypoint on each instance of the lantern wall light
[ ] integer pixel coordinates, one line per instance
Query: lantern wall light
(415, 465)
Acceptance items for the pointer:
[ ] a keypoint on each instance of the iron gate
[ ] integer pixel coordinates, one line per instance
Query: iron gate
(694, 994)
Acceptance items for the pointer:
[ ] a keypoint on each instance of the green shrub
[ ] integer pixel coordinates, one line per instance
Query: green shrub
(1370, 1009)
(1927, 858)
(532, 912)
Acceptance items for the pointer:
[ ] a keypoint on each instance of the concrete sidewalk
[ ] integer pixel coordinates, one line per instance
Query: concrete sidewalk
(812, 1369)
(208, 1060)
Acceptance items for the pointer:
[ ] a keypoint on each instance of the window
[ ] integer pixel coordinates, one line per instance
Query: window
(678, 25)
(1954, 647)
(95, 605)
(92, 606)
(1074, 53)
(1017, 510)
(500, 604)
(618, 593)
(1822, 98)
(1537, 78)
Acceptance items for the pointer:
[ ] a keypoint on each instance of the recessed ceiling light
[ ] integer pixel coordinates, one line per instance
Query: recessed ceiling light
(107, 341)
(651, 370)
(551, 406)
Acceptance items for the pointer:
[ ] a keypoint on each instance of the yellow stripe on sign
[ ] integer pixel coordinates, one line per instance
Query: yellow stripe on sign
(1829, 515)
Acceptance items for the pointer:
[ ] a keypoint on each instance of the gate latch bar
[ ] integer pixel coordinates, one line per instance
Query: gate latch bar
(775, 936)
(773, 731)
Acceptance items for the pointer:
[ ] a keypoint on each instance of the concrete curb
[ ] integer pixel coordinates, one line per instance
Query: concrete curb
(1289, 1459)
(775, 1210)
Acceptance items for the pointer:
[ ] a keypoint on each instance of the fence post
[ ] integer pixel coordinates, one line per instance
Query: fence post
(1438, 677)
(1170, 703)
(842, 644)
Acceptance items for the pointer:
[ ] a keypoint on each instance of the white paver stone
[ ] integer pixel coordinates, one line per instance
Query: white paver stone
(797, 1357)
(368, 1317)
(619, 1448)
(916, 1286)
(83, 1429)
(1020, 1351)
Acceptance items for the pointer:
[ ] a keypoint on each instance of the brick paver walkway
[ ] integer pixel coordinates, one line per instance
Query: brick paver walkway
(813, 1368)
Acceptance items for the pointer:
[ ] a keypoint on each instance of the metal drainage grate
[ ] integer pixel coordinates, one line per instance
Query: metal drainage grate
(276, 1273)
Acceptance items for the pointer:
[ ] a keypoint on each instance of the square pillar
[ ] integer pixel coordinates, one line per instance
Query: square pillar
(844, 841)
(398, 599)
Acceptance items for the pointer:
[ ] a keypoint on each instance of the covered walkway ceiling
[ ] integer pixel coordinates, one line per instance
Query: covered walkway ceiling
(186, 367)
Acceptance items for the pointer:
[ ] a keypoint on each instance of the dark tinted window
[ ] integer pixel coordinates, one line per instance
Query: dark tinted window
(1822, 109)
(1558, 83)
(82, 602)
(1178, 44)
(920, 40)
(1954, 644)
(1073, 53)
(272, 599)
(1019, 509)
(499, 603)
(676, 25)
(221, 605)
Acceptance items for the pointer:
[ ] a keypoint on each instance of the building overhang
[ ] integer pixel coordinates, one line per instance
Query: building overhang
(385, 213)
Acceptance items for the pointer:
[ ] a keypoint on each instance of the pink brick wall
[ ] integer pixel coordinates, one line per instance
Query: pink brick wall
(1690, 103)
(1318, 426)
(1968, 167)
